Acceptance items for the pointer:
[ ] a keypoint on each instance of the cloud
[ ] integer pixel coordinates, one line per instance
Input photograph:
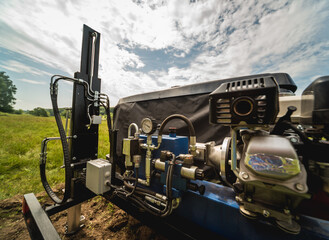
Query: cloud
(32, 81)
(19, 67)
(187, 42)
(240, 38)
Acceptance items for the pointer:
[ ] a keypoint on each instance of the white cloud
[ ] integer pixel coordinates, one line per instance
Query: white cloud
(19, 67)
(224, 38)
(32, 81)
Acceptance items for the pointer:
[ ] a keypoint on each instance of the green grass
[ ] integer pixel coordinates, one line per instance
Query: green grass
(20, 144)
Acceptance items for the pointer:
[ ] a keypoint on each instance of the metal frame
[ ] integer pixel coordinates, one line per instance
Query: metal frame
(85, 146)
(215, 215)
(37, 220)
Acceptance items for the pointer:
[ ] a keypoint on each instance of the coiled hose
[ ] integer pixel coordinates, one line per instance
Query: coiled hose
(66, 154)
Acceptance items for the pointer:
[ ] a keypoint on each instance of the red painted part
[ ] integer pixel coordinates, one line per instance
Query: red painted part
(317, 207)
(25, 207)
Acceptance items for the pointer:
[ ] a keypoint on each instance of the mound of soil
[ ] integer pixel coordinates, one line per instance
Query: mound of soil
(103, 220)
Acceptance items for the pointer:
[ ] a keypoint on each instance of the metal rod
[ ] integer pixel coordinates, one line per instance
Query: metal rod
(92, 61)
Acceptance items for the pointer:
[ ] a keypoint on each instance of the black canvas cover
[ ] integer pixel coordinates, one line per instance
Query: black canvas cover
(191, 101)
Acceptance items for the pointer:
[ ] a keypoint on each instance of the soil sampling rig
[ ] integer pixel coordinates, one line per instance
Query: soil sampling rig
(239, 158)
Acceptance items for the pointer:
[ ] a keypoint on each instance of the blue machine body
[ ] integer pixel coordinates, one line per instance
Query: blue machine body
(175, 144)
(217, 210)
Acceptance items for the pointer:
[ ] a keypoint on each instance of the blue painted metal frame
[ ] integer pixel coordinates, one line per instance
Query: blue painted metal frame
(218, 211)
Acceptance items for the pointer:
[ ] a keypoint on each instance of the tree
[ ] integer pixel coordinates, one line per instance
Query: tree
(19, 111)
(39, 112)
(7, 92)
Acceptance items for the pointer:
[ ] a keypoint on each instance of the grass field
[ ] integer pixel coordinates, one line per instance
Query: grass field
(20, 144)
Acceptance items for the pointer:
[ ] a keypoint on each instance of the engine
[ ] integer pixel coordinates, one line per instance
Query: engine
(274, 157)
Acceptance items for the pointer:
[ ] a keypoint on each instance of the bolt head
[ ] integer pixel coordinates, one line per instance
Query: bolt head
(244, 175)
(299, 187)
(266, 213)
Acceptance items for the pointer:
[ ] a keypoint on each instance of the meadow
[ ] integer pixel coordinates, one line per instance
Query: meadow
(20, 145)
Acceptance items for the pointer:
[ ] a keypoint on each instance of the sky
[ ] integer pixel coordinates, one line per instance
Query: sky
(154, 45)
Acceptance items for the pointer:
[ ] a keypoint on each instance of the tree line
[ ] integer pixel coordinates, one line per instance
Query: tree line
(42, 112)
(8, 100)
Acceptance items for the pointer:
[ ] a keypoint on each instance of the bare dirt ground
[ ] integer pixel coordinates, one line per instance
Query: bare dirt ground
(103, 220)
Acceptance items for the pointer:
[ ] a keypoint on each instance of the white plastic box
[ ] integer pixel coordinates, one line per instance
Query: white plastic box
(98, 175)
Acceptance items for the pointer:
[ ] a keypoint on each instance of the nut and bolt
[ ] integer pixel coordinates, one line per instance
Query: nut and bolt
(299, 187)
(74, 158)
(244, 175)
(286, 211)
(266, 213)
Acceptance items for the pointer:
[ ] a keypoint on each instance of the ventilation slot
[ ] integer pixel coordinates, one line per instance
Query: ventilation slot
(223, 113)
(261, 107)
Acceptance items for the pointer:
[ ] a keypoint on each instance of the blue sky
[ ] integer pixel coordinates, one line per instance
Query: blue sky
(153, 45)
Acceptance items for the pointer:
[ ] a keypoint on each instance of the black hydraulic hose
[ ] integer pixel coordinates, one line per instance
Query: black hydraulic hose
(67, 162)
(146, 206)
(109, 120)
(78, 81)
(65, 146)
(139, 202)
(144, 192)
(177, 116)
(141, 190)
(168, 208)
